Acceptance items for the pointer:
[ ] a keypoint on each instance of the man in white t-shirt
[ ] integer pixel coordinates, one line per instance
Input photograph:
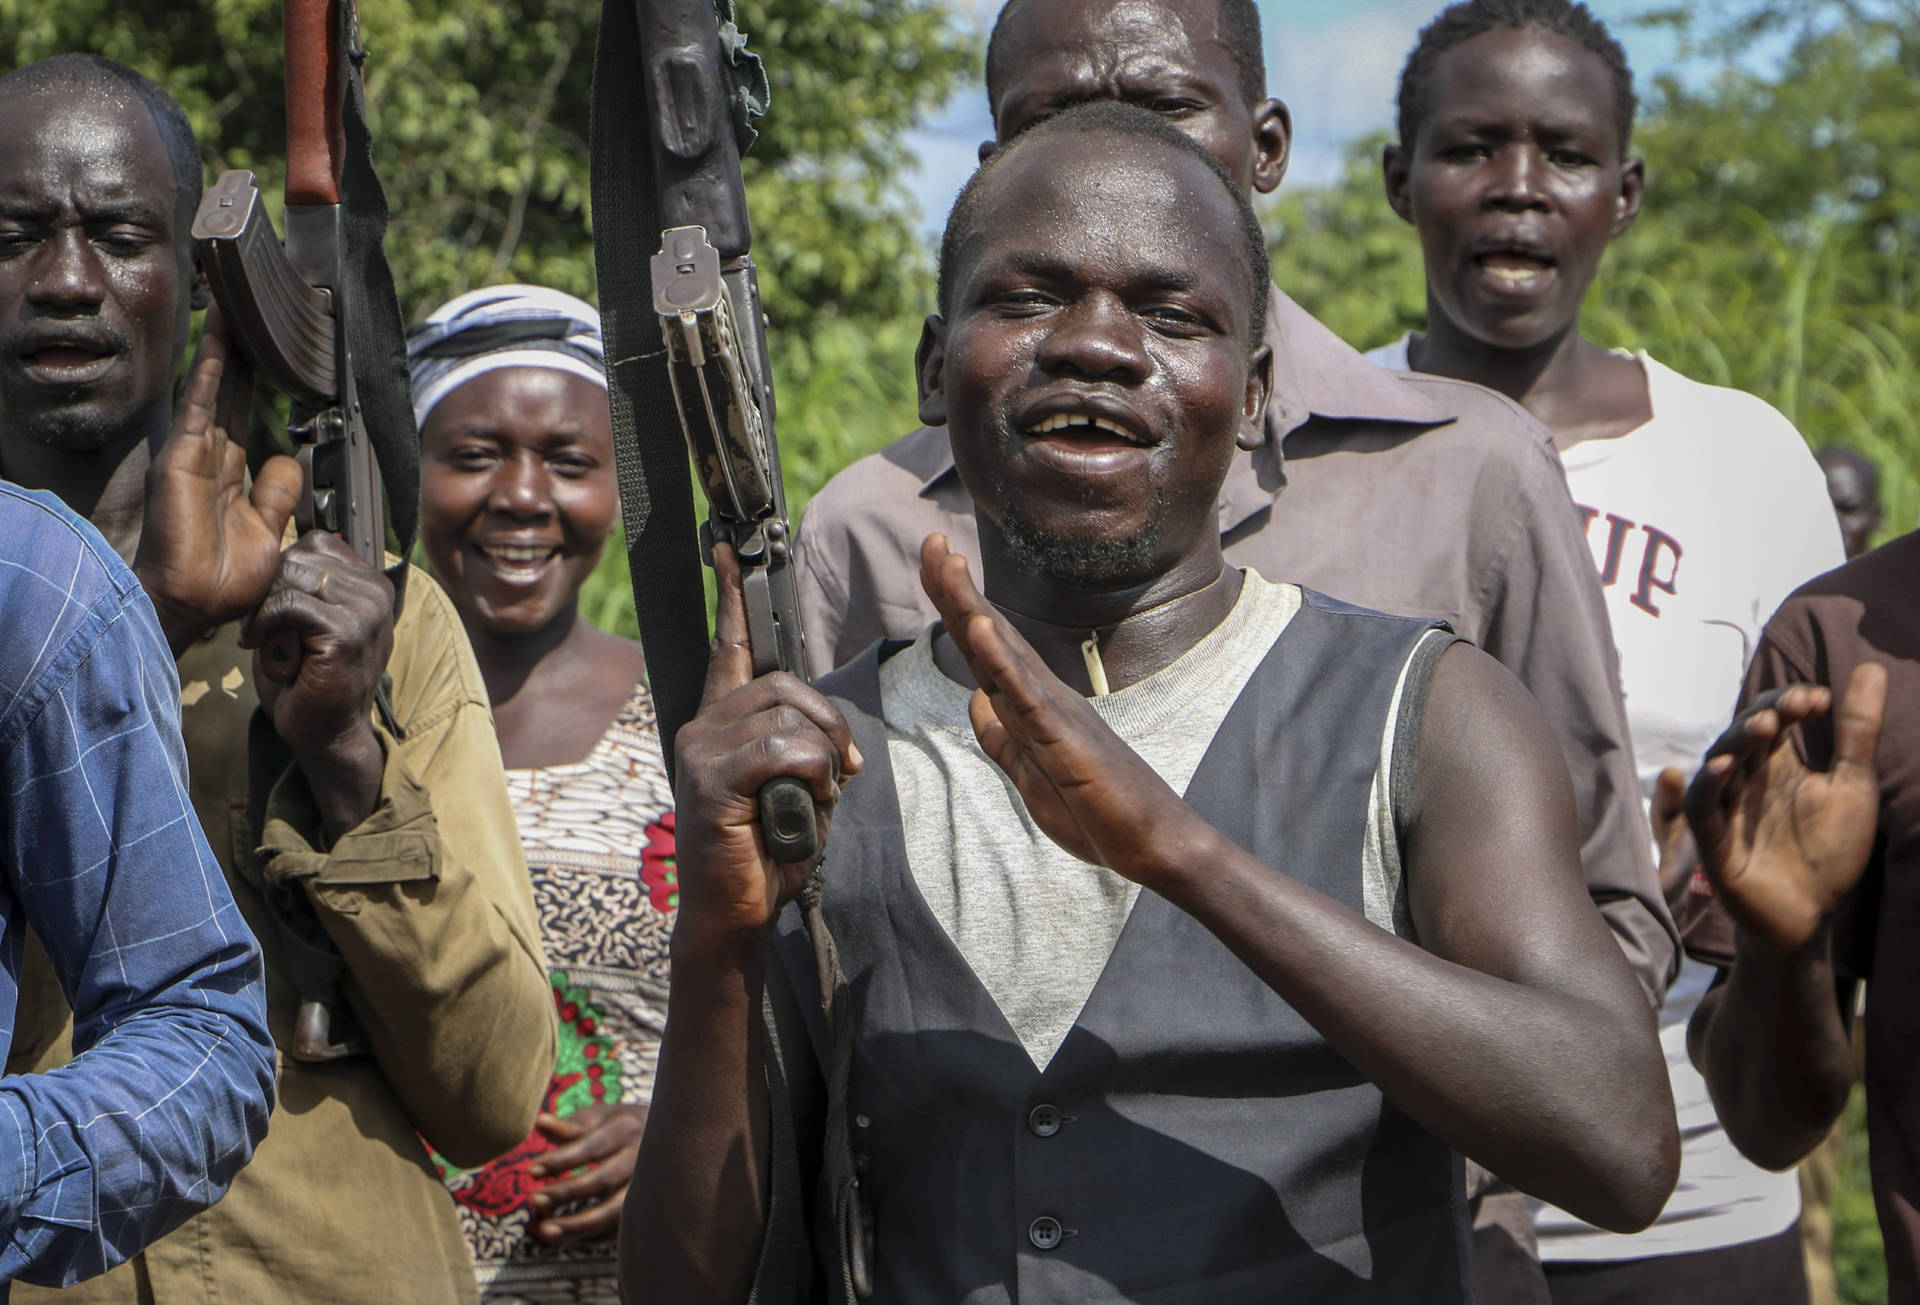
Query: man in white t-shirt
(1702, 505)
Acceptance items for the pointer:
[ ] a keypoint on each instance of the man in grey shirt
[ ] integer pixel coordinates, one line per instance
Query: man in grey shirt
(1410, 494)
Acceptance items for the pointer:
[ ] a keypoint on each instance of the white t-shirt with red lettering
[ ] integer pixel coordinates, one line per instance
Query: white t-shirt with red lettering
(1701, 522)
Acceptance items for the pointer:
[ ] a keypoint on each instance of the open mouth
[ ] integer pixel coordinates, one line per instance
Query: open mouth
(518, 562)
(1514, 269)
(67, 363)
(1083, 430)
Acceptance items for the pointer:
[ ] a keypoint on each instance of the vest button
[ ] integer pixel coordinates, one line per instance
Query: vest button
(1044, 1232)
(1044, 1120)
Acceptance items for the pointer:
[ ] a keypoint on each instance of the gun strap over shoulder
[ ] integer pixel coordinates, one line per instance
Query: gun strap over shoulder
(376, 334)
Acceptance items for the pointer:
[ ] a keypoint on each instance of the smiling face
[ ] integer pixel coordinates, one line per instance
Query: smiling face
(1167, 56)
(1516, 184)
(1097, 367)
(95, 274)
(517, 495)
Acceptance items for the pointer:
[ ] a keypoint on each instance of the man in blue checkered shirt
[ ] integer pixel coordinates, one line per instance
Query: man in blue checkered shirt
(100, 854)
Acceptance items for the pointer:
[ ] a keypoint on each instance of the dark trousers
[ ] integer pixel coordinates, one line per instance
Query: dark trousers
(1770, 1271)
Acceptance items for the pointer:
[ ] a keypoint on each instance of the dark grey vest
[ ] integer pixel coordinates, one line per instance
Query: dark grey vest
(1194, 1139)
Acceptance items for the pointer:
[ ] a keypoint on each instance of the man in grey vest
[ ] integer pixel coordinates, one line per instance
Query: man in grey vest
(1413, 494)
(1106, 1041)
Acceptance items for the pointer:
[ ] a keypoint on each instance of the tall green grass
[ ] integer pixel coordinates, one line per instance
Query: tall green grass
(1781, 314)
(1859, 1254)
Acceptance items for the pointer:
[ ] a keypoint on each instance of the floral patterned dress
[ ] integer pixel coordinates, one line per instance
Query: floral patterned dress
(598, 836)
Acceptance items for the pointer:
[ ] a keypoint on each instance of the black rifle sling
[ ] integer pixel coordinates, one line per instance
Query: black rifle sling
(656, 505)
(656, 490)
(376, 334)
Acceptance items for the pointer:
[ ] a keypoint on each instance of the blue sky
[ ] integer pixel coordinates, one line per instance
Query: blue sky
(1335, 64)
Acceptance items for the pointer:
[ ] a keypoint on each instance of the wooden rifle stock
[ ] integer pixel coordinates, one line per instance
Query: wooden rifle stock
(316, 102)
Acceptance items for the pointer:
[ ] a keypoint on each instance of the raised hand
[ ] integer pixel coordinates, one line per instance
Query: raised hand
(1782, 843)
(209, 547)
(748, 731)
(602, 1140)
(1086, 789)
(321, 638)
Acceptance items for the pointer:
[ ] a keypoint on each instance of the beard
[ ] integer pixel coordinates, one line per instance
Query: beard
(1101, 561)
(84, 427)
(68, 431)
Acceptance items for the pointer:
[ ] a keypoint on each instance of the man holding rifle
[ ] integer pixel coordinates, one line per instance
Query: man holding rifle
(373, 850)
(1110, 1042)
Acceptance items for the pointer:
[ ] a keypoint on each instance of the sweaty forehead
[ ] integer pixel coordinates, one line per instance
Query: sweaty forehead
(1062, 51)
(1124, 209)
(92, 146)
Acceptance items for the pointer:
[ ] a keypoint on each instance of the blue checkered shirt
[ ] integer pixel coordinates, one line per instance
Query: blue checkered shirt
(101, 855)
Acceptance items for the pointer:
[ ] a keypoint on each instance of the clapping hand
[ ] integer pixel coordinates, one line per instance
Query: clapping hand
(1086, 789)
(1782, 843)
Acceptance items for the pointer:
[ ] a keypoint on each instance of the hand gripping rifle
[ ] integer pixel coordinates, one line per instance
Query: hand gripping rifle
(706, 296)
(674, 94)
(319, 319)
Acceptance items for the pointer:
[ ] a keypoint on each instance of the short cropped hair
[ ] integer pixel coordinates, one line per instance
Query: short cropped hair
(1471, 18)
(79, 72)
(1128, 122)
(1239, 23)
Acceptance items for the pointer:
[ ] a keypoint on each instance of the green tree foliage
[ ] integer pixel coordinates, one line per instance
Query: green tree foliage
(1343, 254)
(480, 109)
(1778, 250)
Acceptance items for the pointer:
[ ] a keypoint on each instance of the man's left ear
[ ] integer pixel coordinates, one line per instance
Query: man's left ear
(1253, 414)
(1633, 188)
(1272, 144)
(930, 368)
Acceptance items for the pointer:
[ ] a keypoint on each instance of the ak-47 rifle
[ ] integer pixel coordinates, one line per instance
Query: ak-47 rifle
(319, 320)
(281, 305)
(674, 93)
(706, 295)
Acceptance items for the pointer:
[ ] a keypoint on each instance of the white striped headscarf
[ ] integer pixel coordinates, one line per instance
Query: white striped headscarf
(502, 326)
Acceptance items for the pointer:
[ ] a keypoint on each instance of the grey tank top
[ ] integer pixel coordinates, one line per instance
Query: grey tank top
(1194, 1139)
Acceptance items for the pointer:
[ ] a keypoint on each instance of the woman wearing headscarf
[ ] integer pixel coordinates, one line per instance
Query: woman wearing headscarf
(518, 500)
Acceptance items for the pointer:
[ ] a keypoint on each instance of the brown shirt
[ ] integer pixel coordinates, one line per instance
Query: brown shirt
(1408, 493)
(1867, 610)
(429, 904)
